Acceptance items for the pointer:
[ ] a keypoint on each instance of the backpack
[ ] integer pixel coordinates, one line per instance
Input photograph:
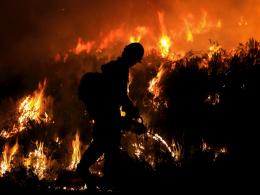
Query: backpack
(91, 92)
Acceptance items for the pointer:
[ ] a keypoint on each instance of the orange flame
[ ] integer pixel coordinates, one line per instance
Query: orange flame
(189, 36)
(8, 155)
(154, 83)
(219, 24)
(165, 44)
(165, 41)
(83, 46)
(113, 36)
(37, 161)
(214, 49)
(203, 24)
(134, 39)
(188, 27)
(161, 22)
(191, 28)
(188, 23)
(76, 154)
(141, 31)
(31, 108)
(242, 22)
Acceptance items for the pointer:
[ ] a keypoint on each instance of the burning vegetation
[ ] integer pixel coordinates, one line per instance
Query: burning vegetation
(198, 107)
(7, 157)
(31, 109)
(180, 98)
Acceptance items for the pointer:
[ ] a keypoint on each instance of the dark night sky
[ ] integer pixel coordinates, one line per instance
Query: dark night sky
(36, 28)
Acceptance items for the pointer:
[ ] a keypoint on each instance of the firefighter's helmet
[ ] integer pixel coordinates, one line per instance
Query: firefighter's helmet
(133, 52)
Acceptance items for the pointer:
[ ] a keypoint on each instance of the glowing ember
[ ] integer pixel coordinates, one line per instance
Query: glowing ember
(222, 150)
(177, 150)
(37, 161)
(98, 168)
(215, 150)
(213, 99)
(69, 188)
(205, 146)
(157, 137)
(76, 154)
(58, 140)
(138, 149)
(150, 148)
(7, 156)
(31, 109)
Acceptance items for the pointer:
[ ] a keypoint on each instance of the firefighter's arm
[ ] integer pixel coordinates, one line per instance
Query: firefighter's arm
(129, 108)
(132, 113)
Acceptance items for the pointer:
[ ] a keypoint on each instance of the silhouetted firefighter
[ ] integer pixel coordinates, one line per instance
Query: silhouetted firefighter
(108, 95)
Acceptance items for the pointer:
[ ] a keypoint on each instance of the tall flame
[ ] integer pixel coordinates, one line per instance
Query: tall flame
(165, 45)
(189, 36)
(154, 83)
(31, 108)
(7, 156)
(76, 154)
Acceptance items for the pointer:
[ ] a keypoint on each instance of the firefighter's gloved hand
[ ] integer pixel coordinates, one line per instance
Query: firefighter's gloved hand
(139, 126)
(139, 119)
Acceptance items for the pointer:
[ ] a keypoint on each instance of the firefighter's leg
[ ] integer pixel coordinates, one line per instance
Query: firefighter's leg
(112, 161)
(88, 158)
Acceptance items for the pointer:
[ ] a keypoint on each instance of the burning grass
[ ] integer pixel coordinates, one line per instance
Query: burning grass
(31, 109)
(185, 98)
